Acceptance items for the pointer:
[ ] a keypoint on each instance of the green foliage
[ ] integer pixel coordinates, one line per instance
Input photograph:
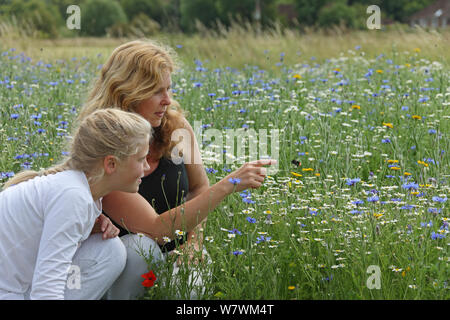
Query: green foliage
(48, 17)
(246, 10)
(99, 15)
(308, 10)
(192, 10)
(339, 13)
(153, 9)
(34, 14)
(140, 26)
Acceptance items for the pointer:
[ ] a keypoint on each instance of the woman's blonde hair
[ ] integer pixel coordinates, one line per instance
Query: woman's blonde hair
(102, 133)
(130, 75)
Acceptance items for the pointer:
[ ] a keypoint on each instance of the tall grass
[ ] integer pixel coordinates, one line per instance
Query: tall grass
(246, 44)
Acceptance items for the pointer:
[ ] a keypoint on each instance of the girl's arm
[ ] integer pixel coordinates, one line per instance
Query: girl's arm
(67, 220)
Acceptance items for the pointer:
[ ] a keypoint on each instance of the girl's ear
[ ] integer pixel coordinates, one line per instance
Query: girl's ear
(110, 164)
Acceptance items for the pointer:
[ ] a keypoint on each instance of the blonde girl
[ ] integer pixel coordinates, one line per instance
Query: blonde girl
(47, 216)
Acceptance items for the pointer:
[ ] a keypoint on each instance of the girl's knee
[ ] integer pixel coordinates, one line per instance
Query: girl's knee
(114, 254)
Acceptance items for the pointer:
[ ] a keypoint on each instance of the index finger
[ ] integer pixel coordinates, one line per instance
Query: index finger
(263, 162)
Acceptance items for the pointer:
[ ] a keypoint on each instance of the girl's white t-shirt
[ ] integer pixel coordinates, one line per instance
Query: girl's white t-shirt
(42, 223)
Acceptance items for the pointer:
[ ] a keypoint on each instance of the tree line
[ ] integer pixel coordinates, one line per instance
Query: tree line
(131, 17)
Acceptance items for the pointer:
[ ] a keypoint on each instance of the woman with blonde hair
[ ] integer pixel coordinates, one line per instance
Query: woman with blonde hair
(173, 196)
(46, 251)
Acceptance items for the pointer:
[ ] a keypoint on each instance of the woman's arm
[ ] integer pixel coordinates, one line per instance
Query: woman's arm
(133, 212)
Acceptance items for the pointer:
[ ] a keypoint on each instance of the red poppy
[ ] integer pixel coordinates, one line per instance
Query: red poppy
(150, 279)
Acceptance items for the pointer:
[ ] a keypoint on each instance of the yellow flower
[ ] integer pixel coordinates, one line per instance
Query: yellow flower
(317, 174)
(307, 169)
(417, 50)
(377, 215)
(407, 65)
(379, 71)
(297, 76)
(291, 287)
(390, 125)
(355, 106)
(395, 168)
(296, 174)
(392, 161)
(417, 117)
(423, 163)
(406, 173)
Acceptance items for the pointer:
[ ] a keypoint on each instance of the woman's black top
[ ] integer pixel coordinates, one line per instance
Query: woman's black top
(165, 188)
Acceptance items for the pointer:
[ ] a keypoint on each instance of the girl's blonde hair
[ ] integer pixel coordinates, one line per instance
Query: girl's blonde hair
(130, 75)
(104, 132)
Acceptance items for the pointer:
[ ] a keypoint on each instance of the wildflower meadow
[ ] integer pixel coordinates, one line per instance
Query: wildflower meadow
(358, 205)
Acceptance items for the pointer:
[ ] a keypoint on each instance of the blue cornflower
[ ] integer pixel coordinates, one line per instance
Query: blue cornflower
(262, 239)
(251, 220)
(432, 131)
(435, 236)
(238, 252)
(211, 170)
(373, 199)
(235, 180)
(357, 202)
(235, 231)
(351, 182)
(248, 200)
(14, 115)
(439, 199)
(425, 224)
(410, 186)
(387, 140)
(434, 210)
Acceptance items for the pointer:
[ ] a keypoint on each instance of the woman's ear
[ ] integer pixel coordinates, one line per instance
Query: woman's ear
(110, 164)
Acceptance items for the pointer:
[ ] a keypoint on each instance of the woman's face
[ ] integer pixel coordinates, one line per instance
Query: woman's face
(154, 108)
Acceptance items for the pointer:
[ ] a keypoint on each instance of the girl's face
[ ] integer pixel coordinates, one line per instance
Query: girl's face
(154, 108)
(131, 170)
